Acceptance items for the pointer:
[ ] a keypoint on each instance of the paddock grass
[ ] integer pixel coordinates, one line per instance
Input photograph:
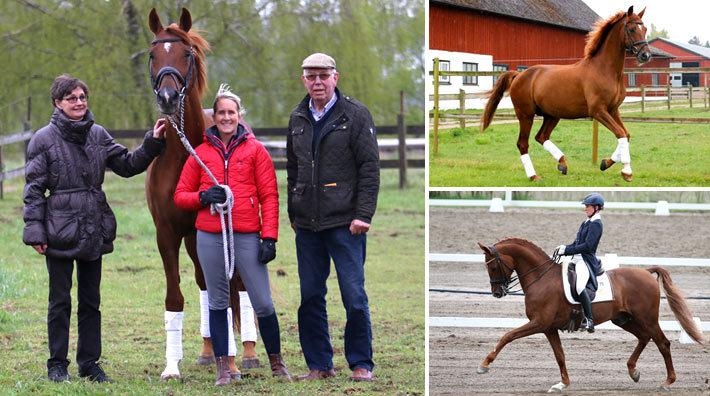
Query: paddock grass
(133, 288)
(662, 155)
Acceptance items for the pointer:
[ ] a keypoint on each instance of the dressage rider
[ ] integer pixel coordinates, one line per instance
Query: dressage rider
(585, 247)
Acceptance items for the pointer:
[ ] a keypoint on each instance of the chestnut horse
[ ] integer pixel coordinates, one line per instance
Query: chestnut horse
(591, 87)
(634, 308)
(179, 78)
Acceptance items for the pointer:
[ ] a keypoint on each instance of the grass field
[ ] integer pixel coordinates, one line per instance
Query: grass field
(132, 305)
(662, 155)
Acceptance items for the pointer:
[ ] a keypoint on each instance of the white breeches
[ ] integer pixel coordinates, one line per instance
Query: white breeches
(582, 272)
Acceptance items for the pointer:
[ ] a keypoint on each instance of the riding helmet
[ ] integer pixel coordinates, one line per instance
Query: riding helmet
(595, 199)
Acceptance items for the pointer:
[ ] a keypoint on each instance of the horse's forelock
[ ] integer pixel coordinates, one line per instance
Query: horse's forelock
(599, 33)
(194, 39)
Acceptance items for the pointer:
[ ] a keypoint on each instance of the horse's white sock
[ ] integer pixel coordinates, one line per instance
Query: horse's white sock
(204, 314)
(231, 345)
(553, 149)
(528, 165)
(246, 311)
(173, 346)
(622, 154)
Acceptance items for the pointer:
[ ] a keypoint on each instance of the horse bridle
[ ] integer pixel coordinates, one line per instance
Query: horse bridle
(633, 47)
(505, 280)
(170, 71)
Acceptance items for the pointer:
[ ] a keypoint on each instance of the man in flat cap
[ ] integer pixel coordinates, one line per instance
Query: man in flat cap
(333, 176)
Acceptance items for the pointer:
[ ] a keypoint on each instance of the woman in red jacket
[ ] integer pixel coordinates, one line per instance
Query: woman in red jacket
(241, 163)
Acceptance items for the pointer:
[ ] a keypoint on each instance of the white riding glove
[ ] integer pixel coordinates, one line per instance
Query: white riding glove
(559, 251)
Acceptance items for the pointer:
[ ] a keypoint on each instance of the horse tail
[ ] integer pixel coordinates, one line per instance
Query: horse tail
(495, 95)
(678, 306)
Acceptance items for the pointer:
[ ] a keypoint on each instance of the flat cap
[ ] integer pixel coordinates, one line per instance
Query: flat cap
(318, 61)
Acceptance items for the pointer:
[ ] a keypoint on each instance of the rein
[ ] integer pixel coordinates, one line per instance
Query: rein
(223, 209)
(505, 282)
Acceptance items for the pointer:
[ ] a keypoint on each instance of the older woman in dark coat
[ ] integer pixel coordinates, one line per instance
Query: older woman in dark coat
(67, 218)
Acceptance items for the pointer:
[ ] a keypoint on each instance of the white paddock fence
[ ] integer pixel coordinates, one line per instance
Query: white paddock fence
(661, 208)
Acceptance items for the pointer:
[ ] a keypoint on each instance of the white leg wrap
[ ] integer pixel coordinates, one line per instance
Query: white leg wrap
(528, 165)
(622, 154)
(557, 388)
(173, 345)
(553, 150)
(204, 314)
(231, 345)
(248, 328)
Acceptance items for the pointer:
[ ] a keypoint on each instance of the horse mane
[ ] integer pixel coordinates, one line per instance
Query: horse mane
(200, 46)
(524, 242)
(599, 33)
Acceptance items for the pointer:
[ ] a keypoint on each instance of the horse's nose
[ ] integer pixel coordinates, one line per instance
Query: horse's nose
(497, 294)
(167, 100)
(644, 56)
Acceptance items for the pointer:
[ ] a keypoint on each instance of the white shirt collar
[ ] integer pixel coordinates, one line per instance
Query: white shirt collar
(317, 115)
(597, 216)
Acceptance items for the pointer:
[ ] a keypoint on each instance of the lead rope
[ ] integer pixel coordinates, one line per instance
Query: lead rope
(223, 209)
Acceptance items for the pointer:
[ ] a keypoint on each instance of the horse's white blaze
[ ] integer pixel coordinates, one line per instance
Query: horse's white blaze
(553, 149)
(528, 165)
(167, 46)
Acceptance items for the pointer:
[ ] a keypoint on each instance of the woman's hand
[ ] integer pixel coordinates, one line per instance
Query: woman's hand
(159, 128)
(40, 248)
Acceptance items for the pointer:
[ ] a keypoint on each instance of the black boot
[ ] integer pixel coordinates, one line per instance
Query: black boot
(588, 321)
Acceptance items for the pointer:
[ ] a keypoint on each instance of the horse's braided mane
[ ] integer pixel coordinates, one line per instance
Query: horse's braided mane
(598, 35)
(525, 242)
(201, 46)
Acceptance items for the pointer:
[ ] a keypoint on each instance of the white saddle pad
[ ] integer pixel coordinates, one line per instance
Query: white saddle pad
(604, 286)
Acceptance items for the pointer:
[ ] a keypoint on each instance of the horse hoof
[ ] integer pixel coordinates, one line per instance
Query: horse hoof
(482, 370)
(535, 178)
(250, 363)
(205, 360)
(169, 376)
(664, 388)
(562, 169)
(606, 164)
(627, 176)
(636, 376)
(235, 376)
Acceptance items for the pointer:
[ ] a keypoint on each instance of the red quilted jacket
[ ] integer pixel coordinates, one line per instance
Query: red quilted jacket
(246, 167)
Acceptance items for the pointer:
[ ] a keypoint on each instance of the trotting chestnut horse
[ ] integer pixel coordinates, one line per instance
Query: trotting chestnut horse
(179, 78)
(591, 87)
(634, 307)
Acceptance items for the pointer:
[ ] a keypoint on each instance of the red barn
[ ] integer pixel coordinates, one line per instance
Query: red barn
(686, 55)
(517, 33)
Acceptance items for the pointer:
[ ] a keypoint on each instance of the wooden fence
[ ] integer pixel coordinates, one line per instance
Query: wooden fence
(688, 92)
(395, 142)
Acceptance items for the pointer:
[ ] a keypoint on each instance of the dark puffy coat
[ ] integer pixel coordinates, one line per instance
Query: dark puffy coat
(67, 159)
(340, 181)
(246, 167)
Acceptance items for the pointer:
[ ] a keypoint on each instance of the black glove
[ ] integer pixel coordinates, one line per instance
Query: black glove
(267, 250)
(214, 194)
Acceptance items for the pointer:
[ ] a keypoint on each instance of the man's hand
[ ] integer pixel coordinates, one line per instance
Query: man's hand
(359, 227)
(41, 249)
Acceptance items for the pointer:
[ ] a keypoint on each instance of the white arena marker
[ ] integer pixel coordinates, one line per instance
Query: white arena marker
(496, 206)
(684, 338)
(662, 208)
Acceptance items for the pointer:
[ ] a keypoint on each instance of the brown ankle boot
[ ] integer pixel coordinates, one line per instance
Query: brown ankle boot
(223, 374)
(278, 367)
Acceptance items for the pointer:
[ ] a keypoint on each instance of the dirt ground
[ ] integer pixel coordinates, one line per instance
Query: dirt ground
(596, 362)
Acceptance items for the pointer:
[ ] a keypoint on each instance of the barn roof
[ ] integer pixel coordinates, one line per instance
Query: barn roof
(572, 14)
(696, 49)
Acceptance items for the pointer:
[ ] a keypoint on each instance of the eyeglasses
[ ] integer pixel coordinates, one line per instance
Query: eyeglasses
(322, 76)
(74, 99)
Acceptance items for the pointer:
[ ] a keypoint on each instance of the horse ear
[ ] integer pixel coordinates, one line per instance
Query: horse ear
(484, 248)
(154, 22)
(640, 14)
(185, 20)
(630, 11)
